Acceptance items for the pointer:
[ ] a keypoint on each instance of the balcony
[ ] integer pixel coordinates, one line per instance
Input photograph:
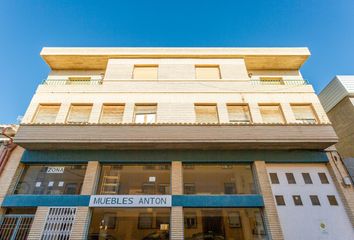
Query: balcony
(72, 82)
(291, 82)
(175, 136)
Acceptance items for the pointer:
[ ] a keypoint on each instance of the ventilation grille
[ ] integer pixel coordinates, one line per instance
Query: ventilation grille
(59, 223)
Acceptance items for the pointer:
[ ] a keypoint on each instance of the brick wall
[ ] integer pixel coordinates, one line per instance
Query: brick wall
(271, 217)
(38, 223)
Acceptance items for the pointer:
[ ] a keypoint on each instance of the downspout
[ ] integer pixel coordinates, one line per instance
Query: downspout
(6, 151)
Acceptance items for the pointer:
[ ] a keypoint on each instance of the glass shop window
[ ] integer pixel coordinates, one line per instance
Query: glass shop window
(218, 179)
(223, 223)
(149, 179)
(51, 180)
(130, 223)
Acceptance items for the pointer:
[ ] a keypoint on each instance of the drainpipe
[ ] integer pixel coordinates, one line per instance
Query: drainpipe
(7, 149)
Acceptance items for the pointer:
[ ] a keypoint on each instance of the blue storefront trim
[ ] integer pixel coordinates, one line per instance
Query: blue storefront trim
(46, 200)
(218, 201)
(165, 156)
(254, 200)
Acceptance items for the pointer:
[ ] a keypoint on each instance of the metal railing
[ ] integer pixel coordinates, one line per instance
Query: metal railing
(71, 82)
(253, 82)
(279, 82)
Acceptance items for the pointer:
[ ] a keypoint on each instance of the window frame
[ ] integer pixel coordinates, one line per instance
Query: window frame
(239, 105)
(332, 200)
(111, 105)
(326, 178)
(309, 178)
(310, 105)
(292, 180)
(207, 66)
(45, 105)
(260, 105)
(78, 105)
(297, 200)
(280, 200)
(277, 178)
(207, 105)
(136, 66)
(315, 201)
(145, 114)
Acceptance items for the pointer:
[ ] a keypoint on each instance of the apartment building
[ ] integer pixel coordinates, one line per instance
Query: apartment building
(176, 143)
(337, 99)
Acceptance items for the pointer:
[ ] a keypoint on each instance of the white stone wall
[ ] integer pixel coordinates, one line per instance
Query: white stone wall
(303, 222)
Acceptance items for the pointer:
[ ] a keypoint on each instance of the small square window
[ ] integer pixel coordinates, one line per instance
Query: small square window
(323, 178)
(290, 177)
(307, 178)
(332, 200)
(297, 200)
(274, 178)
(314, 200)
(280, 200)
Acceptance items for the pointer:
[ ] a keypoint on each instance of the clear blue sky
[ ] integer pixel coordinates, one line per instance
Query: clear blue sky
(325, 26)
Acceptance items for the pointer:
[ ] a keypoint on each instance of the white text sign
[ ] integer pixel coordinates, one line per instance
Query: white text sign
(130, 201)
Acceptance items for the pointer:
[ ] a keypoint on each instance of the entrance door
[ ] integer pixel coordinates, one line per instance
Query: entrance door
(213, 222)
(15, 227)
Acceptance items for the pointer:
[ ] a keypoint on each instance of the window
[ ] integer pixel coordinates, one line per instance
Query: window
(190, 220)
(290, 177)
(297, 200)
(323, 178)
(217, 179)
(79, 114)
(230, 188)
(51, 179)
(272, 80)
(206, 113)
(314, 200)
(112, 113)
(46, 114)
(274, 178)
(207, 72)
(223, 223)
(271, 114)
(145, 113)
(280, 200)
(304, 113)
(332, 200)
(145, 221)
(148, 72)
(124, 180)
(189, 188)
(239, 113)
(307, 178)
(129, 223)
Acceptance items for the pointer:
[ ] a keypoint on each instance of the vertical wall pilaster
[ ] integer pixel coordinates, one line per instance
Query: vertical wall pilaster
(11, 173)
(91, 178)
(128, 112)
(38, 223)
(176, 178)
(223, 114)
(271, 217)
(81, 224)
(96, 112)
(83, 214)
(177, 224)
(338, 172)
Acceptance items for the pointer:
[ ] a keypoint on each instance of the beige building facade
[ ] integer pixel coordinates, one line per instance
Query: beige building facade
(175, 143)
